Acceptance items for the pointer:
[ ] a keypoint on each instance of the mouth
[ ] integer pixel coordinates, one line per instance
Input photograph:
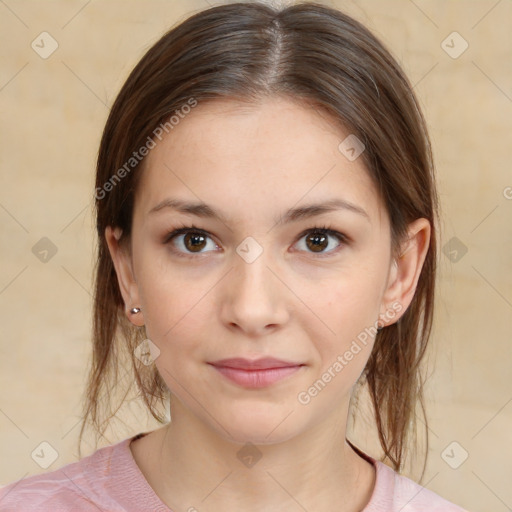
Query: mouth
(258, 373)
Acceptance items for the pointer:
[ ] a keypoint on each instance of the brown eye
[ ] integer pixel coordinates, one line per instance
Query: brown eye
(319, 240)
(189, 241)
(194, 242)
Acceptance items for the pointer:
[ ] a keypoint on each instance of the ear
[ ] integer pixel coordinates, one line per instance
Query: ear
(123, 264)
(405, 272)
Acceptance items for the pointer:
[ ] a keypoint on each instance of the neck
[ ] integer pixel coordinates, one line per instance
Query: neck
(201, 468)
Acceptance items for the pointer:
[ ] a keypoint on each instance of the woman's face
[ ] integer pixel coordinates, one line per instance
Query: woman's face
(257, 281)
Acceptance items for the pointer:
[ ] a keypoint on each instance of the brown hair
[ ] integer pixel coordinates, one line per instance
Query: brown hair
(248, 51)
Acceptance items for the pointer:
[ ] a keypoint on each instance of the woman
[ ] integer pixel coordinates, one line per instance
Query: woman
(266, 213)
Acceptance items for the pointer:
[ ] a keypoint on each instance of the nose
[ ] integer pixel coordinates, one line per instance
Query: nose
(253, 299)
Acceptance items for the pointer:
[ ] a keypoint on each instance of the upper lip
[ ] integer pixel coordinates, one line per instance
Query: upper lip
(254, 364)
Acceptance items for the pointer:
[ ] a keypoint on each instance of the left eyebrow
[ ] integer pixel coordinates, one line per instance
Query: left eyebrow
(312, 210)
(291, 215)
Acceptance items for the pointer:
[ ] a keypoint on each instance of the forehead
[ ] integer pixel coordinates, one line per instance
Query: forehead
(248, 157)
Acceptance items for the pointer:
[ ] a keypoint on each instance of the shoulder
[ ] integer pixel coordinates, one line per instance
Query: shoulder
(71, 487)
(49, 491)
(402, 493)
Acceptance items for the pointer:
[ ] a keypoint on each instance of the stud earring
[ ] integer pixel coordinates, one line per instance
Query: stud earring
(134, 311)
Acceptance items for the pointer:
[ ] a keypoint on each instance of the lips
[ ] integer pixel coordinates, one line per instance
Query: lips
(265, 363)
(256, 373)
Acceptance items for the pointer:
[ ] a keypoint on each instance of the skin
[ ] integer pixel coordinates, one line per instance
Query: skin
(290, 303)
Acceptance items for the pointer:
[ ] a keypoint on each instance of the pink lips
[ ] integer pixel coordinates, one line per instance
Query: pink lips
(255, 373)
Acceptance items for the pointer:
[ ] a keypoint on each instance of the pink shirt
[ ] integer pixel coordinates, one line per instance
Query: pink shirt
(110, 480)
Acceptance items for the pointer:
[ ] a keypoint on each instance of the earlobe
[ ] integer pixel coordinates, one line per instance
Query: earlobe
(124, 271)
(405, 271)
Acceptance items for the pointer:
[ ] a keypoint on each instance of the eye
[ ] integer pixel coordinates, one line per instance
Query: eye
(316, 240)
(189, 240)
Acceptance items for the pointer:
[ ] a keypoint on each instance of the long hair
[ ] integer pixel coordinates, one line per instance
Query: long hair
(249, 51)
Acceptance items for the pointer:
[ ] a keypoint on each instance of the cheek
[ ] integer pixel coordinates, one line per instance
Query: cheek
(177, 328)
(344, 323)
(348, 305)
(343, 359)
(176, 307)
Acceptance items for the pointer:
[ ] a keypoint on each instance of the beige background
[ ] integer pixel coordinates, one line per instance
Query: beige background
(53, 111)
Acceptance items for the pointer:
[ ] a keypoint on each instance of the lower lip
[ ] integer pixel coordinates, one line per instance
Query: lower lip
(256, 378)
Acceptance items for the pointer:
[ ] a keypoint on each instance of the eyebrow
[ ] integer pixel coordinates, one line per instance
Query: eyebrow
(293, 214)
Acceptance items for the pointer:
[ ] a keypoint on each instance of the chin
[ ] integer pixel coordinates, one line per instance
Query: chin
(259, 437)
(258, 427)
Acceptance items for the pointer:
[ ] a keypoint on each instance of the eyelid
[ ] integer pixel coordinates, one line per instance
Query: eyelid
(327, 230)
(342, 238)
(183, 230)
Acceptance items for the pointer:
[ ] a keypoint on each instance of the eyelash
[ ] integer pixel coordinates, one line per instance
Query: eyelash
(324, 230)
